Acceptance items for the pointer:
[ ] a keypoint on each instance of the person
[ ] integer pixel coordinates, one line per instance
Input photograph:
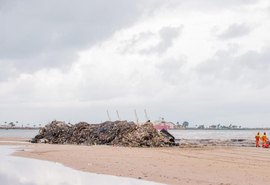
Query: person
(264, 140)
(267, 144)
(258, 137)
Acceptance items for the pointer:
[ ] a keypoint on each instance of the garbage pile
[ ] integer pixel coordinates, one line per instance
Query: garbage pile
(119, 133)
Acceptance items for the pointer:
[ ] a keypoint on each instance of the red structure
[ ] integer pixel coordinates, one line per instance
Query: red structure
(161, 126)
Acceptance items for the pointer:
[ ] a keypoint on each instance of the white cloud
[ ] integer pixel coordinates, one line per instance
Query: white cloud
(187, 73)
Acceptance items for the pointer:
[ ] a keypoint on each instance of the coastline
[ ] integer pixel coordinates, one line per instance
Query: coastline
(189, 128)
(170, 165)
(19, 128)
(15, 141)
(220, 129)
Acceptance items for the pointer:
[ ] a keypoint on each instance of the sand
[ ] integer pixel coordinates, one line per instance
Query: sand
(209, 165)
(14, 141)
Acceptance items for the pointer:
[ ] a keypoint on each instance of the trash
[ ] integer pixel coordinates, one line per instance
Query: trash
(167, 134)
(118, 133)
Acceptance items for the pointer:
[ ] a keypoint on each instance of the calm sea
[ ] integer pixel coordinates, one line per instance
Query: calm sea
(18, 133)
(179, 134)
(216, 134)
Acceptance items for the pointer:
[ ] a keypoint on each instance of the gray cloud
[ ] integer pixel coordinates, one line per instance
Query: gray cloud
(167, 35)
(251, 68)
(235, 30)
(215, 5)
(255, 60)
(131, 44)
(38, 34)
(6, 71)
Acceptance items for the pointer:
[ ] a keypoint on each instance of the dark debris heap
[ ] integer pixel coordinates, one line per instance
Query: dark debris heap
(119, 133)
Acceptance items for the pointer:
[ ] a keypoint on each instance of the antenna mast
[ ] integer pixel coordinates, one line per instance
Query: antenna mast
(146, 116)
(137, 119)
(109, 116)
(118, 115)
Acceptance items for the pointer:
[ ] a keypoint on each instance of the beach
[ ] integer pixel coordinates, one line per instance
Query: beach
(169, 165)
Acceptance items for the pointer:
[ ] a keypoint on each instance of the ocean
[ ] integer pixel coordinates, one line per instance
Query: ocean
(216, 134)
(22, 133)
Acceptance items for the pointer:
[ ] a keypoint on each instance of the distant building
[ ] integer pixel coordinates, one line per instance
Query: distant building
(213, 126)
(201, 127)
(162, 124)
(178, 126)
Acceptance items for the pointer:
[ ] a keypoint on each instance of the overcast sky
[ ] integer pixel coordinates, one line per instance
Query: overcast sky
(206, 62)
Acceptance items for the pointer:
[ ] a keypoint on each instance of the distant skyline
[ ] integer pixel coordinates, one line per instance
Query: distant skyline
(205, 62)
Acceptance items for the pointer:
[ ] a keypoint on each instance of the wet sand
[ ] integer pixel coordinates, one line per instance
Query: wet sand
(208, 165)
(14, 141)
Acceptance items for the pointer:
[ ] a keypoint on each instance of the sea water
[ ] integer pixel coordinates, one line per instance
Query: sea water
(23, 171)
(216, 134)
(22, 133)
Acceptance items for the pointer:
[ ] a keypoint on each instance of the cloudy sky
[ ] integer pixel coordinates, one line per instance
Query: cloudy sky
(206, 62)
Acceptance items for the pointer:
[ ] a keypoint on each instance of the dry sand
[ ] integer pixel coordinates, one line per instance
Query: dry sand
(221, 166)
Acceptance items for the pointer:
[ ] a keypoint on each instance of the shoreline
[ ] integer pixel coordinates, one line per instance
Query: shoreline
(19, 128)
(170, 165)
(220, 129)
(190, 128)
(14, 141)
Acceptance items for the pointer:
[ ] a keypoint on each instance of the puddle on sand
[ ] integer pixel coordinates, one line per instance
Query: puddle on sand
(24, 171)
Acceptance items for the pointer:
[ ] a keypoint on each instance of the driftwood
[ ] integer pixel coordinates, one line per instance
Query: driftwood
(119, 133)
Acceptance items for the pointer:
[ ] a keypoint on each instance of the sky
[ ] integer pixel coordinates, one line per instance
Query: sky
(205, 62)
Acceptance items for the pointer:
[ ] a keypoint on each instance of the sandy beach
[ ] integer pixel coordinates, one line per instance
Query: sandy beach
(207, 165)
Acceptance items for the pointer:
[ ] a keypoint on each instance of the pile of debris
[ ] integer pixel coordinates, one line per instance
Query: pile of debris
(200, 143)
(119, 133)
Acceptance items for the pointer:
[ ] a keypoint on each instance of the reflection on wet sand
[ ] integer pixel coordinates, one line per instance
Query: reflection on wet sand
(22, 171)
